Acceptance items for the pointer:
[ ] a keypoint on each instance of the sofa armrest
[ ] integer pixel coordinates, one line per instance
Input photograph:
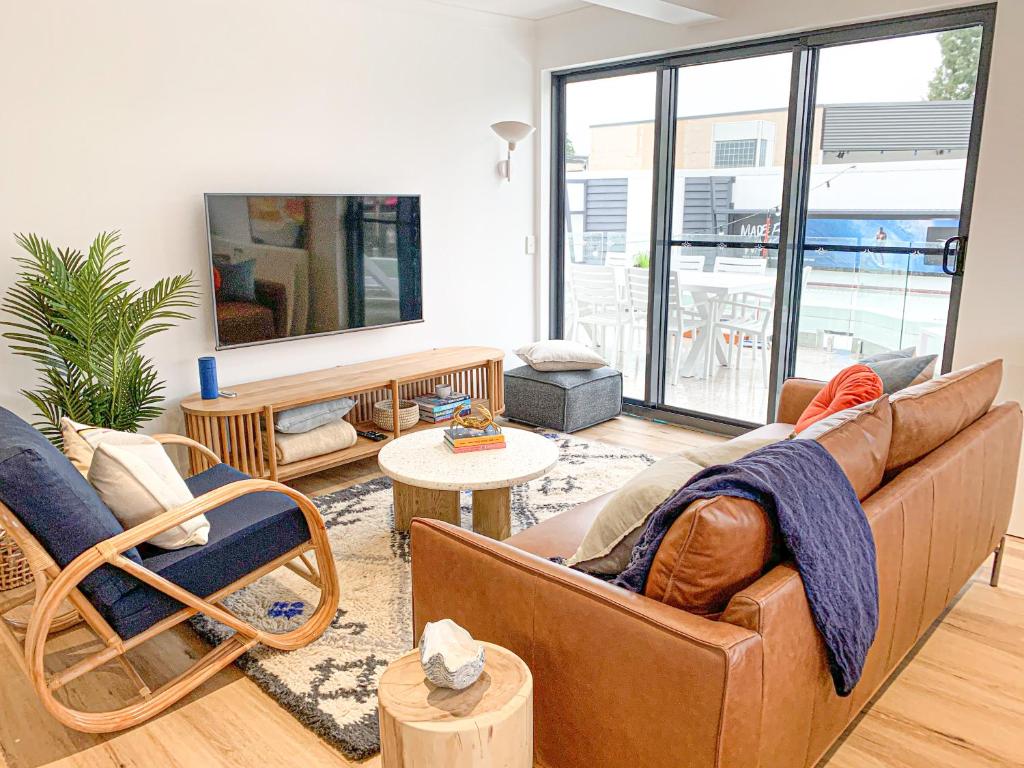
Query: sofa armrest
(796, 673)
(796, 395)
(619, 679)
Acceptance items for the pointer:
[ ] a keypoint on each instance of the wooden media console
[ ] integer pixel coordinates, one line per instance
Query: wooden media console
(241, 429)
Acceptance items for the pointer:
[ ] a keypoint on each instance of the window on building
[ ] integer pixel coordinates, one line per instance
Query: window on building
(740, 153)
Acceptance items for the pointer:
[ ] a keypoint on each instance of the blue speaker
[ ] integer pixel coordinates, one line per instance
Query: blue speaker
(208, 378)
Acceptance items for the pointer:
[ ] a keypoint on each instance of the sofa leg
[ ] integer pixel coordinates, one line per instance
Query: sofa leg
(997, 564)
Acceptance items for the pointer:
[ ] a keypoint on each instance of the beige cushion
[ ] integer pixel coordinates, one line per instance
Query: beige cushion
(560, 355)
(81, 440)
(728, 451)
(608, 545)
(139, 482)
(335, 436)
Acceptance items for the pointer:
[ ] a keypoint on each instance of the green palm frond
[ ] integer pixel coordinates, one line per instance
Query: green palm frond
(83, 324)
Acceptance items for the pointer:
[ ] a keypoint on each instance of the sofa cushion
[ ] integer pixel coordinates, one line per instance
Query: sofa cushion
(713, 550)
(57, 505)
(901, 369)
(852, 386)
(858, 439)
(926, 415)
(728, 451)
(608, 545)
(245, 534)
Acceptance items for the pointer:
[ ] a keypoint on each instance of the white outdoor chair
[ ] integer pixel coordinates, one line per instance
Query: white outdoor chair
(740, 264)
(687, 262)
(743, 318)
(689, 312)
(637, 291)
(600, 307)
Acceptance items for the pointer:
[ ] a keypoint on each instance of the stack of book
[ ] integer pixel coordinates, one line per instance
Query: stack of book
(440, 409)
(464, 439)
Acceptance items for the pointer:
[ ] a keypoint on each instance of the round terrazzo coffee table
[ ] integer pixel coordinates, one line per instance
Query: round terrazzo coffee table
(427, 477)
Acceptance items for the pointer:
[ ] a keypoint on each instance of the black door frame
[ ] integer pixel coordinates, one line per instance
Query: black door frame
(805, 48)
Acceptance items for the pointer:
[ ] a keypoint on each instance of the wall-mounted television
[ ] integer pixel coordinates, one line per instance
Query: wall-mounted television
(289, 266)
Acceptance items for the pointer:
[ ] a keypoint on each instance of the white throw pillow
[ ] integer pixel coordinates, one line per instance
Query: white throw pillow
(560, 355)
(608, 545)
(81, 441)
(138, 482)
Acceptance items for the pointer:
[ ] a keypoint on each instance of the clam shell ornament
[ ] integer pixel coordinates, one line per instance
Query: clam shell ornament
(451, 658)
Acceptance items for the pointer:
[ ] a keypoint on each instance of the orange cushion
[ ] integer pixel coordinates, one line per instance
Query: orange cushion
(851, 386)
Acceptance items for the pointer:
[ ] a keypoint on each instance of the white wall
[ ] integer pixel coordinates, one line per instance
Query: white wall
(120, 114)
(988, 324)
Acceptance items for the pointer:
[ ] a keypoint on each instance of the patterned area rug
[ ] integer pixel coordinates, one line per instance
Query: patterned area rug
(331, 685)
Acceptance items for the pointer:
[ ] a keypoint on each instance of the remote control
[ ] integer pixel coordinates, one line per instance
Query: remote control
(371, 435)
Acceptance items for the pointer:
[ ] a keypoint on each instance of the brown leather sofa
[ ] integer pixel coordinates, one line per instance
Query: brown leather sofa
(739, 679)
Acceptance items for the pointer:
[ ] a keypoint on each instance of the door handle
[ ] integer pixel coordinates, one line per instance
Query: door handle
(952, 251)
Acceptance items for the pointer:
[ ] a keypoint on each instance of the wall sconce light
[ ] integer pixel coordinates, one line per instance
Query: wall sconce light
(513, 132)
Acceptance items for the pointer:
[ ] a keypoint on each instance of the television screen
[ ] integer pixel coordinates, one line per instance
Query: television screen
(287, 266)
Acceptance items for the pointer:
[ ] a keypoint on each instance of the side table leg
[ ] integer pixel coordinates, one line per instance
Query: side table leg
(411, 502)
(492, 513)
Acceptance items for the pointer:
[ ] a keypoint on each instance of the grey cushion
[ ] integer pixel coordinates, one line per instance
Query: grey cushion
(898, 354)
(899, 373)
(564, 400)
(308, 417)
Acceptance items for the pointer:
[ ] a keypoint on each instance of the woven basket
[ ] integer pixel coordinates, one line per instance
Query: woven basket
(14, 568)
(408, 415)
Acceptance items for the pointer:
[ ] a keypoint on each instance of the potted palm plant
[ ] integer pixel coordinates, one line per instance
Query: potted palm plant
(83, 324)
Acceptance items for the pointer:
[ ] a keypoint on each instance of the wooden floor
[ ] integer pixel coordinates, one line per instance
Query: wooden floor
(958, 702)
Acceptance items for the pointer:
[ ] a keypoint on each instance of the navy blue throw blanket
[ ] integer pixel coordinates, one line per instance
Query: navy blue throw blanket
(806, 493)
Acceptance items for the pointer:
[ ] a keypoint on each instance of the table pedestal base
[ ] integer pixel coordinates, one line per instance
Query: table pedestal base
(492, 513)
(492, 508)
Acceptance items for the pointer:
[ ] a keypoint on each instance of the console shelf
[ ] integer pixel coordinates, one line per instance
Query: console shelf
(241, 429)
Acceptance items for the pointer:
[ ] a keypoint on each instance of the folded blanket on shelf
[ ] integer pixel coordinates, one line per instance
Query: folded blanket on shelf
(330, 437)
(800, 485)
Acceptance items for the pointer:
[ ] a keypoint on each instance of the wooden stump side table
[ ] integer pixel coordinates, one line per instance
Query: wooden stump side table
(427, 477)
(487, 725)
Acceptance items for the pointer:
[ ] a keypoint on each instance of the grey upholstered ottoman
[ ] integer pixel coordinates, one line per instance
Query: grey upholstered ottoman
(562, 400)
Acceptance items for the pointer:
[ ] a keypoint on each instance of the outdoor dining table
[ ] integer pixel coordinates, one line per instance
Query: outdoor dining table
(712, 288)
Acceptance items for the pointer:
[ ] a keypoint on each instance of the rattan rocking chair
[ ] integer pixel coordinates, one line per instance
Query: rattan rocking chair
(56, 587)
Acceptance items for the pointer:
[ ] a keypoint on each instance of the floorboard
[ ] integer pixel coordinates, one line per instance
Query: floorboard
(958, 702)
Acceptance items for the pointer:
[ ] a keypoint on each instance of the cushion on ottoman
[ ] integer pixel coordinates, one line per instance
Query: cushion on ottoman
(564, 400)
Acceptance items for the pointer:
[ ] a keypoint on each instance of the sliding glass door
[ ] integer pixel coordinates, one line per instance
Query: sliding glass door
(608, 162)
(727, 218)
(893, 124)
(730, 150)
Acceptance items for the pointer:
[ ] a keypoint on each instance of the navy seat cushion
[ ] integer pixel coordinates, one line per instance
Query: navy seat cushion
(245, 534)
(58, 506)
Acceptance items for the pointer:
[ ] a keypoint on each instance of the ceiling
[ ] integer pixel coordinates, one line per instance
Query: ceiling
(669, 11)
(522, 9)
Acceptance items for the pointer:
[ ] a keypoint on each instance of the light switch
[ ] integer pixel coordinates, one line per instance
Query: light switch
(531, 245)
